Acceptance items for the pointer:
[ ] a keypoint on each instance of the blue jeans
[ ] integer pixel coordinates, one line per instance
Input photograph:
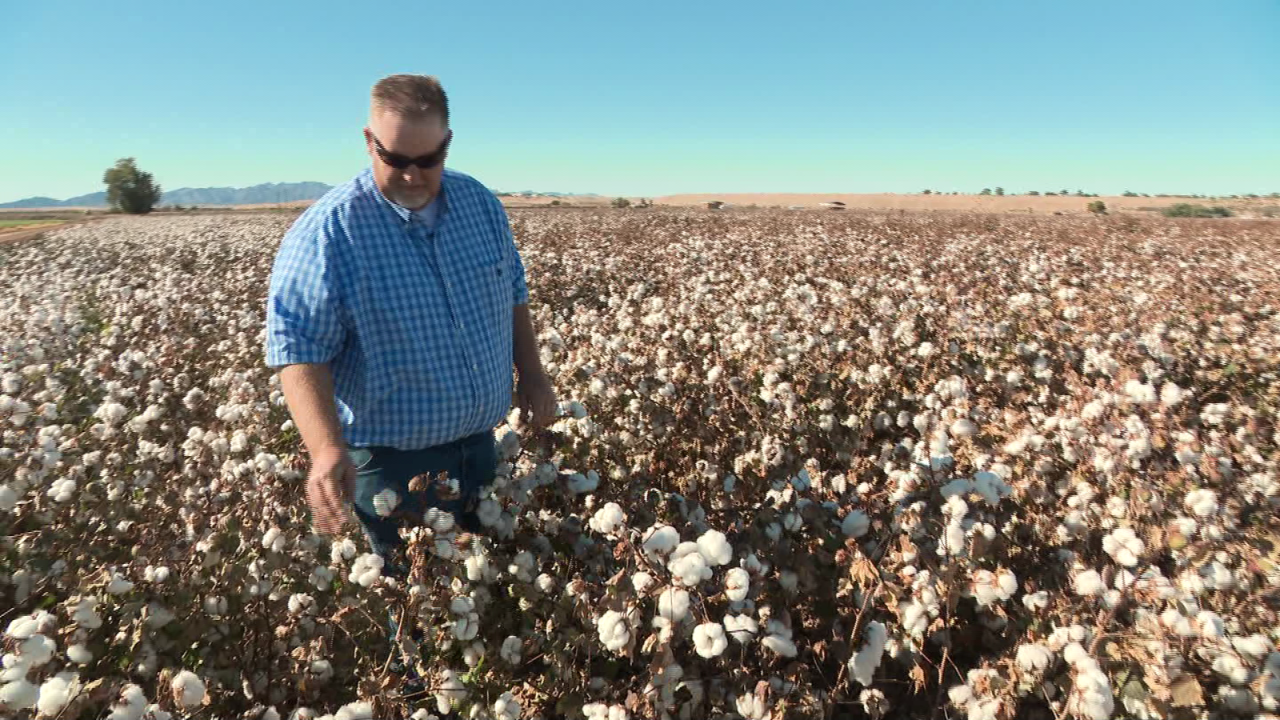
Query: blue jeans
(471, 460)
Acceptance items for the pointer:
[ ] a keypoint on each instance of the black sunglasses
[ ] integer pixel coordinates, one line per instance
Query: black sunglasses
(400, 162)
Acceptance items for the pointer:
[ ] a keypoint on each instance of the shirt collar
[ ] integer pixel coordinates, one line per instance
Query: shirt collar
(402, 212)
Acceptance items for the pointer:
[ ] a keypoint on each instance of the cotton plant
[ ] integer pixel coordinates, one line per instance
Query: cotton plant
(784, 448)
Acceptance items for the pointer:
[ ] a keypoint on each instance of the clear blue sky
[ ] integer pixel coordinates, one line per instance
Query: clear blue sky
(656, 98)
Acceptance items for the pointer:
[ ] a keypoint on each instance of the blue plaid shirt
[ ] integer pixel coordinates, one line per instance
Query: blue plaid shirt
(414, 321)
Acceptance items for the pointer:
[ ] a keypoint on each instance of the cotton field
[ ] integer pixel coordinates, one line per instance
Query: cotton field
(808, 465)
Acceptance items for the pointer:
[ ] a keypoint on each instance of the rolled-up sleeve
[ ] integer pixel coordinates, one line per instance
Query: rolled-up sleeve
(519, 287)
(303, 314)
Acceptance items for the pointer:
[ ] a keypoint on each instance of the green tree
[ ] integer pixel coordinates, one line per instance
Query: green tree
(129, 189)
(621, 202)
(1098, 207)
(999, 191)
(1033, 192)
(985, 191)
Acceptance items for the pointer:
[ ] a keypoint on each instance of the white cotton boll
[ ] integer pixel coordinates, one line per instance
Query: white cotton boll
(322, 578)
(274, 540)
(511, 650)
(1033, 657)
(156, 574)
(270, 714)
(1229, 667)
(300, 603)
(613, 629)
(489, 512)
(751, 707)
(960, 695)
(506, 707)
(8, 498)
(741, 627)
(660, 540)
(344, 549)
(19, 695)
(715, 548)
(1088, 583)
(1255, 646)
(440, 521)
(690, 569)
(673, 604)
(609, 519)
(863, 664)
(1171, 395)
(737, 582)
(583, 484)
(709, 639)
(1214, 414)
(62, 490)
(188, 689)
(466, 627)
(1202, 502)
(641, 581)
(1124, 546)
(79, 654)
(963, 428)
(462, 605)
(37, 650)
(385, 502)
(1140, 392)
(366, 570)
(780, 645)
(56, 692)
(22, 627)
(1036, 601)
(133, 703)
(855, 524)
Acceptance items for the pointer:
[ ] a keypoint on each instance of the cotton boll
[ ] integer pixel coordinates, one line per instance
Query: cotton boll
(79, 654)
(1036, 601)
(709, 639)
(641, 581)
(608, 520)
(855, 524)
(1123, 545)
(1202, 502)
(359, 710)
(863, 664)
(8, 498)
(690, 570)
(56, 692)
(741, 627)
(751, 707)
(511, 650)
(673, 604)
(19, 695)
(506, 707)
(188, 689)
(660, 540)
(781, 645)
(366, 570)
(1033, 657)
(1088, 583)
(613, 630)
(344, 549)
(737, 583)
(715, 548)
(1255, 646)
(37, 650)
(385, 502)
(449, 692)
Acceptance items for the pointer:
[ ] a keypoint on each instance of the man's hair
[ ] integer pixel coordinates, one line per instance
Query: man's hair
(417, 97)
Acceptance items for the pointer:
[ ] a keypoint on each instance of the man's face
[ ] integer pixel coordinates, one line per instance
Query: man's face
(413, 187)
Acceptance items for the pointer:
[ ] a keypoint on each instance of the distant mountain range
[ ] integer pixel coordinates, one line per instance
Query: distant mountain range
(265, 193)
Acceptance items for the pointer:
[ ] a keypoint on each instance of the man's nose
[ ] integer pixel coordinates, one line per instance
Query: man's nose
(412, 175)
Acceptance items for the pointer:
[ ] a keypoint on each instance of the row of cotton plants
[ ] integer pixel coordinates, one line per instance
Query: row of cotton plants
(882, 465)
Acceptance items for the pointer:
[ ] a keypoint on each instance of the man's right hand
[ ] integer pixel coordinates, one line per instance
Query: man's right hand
(330, 486)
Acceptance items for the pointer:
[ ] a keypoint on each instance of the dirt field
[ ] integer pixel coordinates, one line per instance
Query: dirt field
(982, 203)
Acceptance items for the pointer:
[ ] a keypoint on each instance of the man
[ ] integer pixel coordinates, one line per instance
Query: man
(397, 306)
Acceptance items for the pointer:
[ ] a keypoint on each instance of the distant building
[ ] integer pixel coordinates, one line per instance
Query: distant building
(833, 205)
(715, 205)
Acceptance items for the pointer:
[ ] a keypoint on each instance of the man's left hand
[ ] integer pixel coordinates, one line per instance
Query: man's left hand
(536, 397)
